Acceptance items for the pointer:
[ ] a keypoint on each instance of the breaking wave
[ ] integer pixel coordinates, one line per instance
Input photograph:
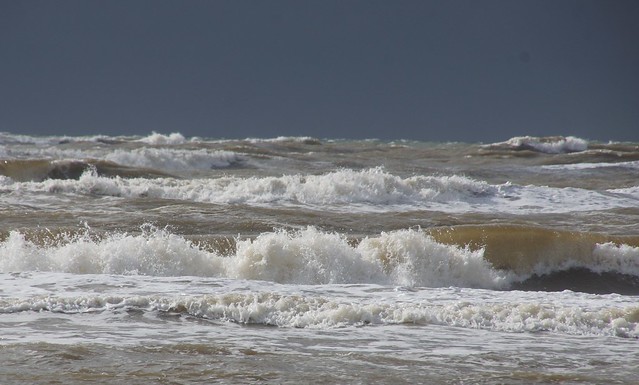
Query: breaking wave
(547, 145)
(161, 139)
(140, 163)
(308, 256)
(173, 159)
(415, 258)
(370, 189)
(318, 312)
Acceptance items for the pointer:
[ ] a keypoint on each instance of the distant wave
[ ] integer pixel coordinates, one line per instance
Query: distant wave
(7, 138)
(161, 139)
(284, 139)
(174, 159)
(176, 138)
(39, 170)
(152, 139)
(138, 162)
(493, 257)
(547, 145)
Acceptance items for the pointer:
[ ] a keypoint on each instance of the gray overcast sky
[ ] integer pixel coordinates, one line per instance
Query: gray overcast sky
(428, 70)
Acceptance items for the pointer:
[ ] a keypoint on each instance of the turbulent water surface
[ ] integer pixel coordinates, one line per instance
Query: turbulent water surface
(165, 259)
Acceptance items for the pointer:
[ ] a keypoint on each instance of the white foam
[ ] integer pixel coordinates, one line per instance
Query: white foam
(613, 257)
(412, 258)
(174, 159)
(632, 165)
(161, 139)
(13, 139)
(318, 312)
(10, 138)
(305, 257)
(343, 190)
(632, 192)
(555, 145)
(310, 311)
(309, 256)
(372, 186)
(155, 252)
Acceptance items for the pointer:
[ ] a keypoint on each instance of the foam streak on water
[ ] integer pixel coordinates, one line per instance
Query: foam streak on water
(302, 260)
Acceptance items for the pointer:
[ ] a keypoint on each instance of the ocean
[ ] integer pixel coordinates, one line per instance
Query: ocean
(163, 259)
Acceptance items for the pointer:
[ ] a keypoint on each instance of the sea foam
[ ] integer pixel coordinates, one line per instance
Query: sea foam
(343, 190)
(161, 139)
(408, 257)
(174, 159)
(155, 252)
(631, 165)
(308, 256)
(548, 145)
(346, 186)
(319, 312)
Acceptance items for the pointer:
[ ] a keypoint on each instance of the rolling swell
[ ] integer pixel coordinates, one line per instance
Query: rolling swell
(547, 145)
(38, 170)
(562, 150)
(582, 280)
(554, 260)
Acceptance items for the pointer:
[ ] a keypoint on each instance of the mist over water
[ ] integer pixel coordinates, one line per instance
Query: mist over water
(246, 253)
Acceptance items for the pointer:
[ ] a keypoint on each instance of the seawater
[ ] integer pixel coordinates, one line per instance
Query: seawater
(166, 259)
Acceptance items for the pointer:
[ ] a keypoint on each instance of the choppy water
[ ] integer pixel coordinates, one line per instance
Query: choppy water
(165, 259)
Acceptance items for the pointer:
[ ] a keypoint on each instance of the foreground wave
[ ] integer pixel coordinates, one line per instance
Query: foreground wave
(493, 257)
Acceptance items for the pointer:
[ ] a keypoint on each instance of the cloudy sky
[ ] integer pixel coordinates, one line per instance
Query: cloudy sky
(428, 70)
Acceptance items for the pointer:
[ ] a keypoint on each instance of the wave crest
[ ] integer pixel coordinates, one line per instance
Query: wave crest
(308, 256)
(160, 139)
(366, 187)
(411, 257)
(300, 311)
(174, 160)
(547, 145)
